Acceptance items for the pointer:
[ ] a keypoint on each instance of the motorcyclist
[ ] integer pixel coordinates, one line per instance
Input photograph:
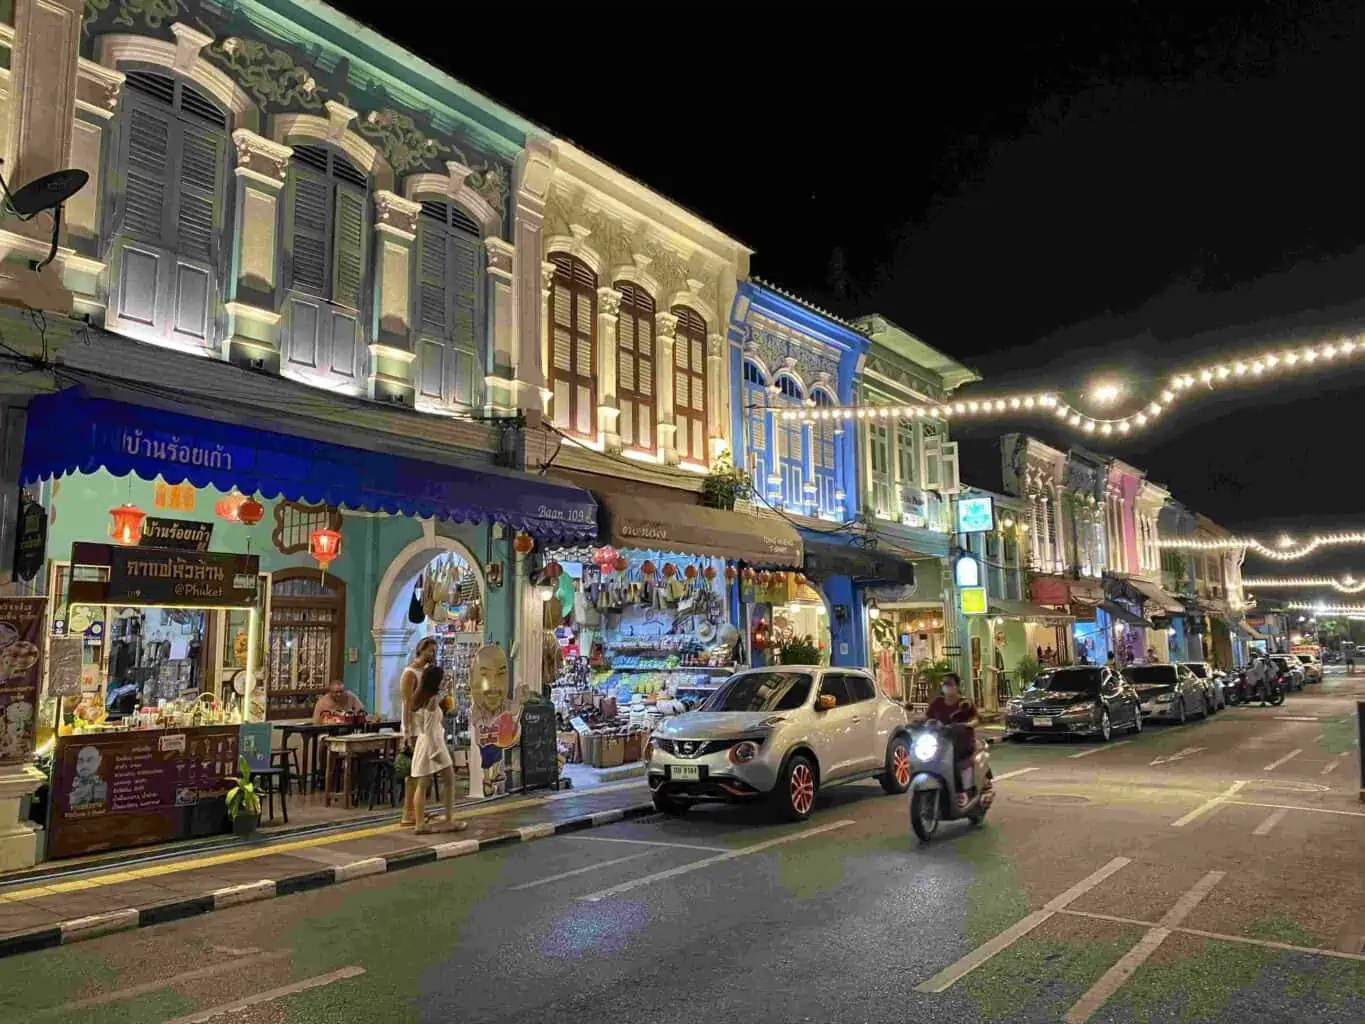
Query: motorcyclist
(954, 710)
(1262, 674)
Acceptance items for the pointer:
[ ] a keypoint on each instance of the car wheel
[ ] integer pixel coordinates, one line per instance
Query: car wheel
(1137, 721)
(1106, 727)
(795, 793)
(924, 813)
(665, 804)
(1208, 710)
(977, 816)
(897, 777)
(1184, 715)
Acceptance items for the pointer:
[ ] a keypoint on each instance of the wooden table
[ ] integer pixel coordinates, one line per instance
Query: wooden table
(309, 733)
(348, 748)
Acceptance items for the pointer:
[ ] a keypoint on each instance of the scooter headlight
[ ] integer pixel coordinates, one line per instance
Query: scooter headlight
(926, 746)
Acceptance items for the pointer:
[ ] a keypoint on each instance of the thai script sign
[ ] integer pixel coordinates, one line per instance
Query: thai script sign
(179, 534)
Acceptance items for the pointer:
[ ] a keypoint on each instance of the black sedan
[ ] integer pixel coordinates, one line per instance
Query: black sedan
(1080, 700)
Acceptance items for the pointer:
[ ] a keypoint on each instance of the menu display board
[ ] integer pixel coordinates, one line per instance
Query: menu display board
(539, 745)
(120, 789)
(21, 637)
(64, 666)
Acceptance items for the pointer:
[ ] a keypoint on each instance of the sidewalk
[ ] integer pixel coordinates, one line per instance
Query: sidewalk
(109, 899)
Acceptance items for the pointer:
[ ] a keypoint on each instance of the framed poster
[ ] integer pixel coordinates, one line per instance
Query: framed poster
(21, 652)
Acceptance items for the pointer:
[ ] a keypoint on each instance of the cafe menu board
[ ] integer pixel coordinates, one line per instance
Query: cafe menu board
(21, 635)
(120, 789)
(539, 745)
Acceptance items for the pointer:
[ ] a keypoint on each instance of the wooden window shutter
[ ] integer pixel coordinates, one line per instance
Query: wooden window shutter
(431, 278)
(464, 289)
(689, 384)
(635, 367)
(349, 264)
(199, 185)
(573, 357)
(311, 228)
(147, 174)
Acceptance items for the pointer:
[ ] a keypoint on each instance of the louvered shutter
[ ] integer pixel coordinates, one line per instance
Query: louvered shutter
(561, 356)
(147, 175)
(585, 363)
(311, 219)
(431, 279)
(948, 473)
(349, 243)
(200, 180)
(464, 284)
(573, 355)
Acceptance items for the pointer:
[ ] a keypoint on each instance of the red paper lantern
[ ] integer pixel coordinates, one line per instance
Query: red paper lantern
(553, 570)
(709, 572)
(730, 574)
(250, 512)
(620, 564)
(324, 545)
(523, 544)
(229, 505)
(648, 569)
(670, 570)
(690, 572)
(126, 524)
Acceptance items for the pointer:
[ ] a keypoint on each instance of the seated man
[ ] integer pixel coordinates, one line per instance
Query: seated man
(334, 706)
(951, 708)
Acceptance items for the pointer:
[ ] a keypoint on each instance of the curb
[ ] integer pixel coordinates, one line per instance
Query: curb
(81, 928)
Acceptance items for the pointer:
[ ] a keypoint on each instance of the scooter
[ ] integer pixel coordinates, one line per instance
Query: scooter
(934, 783)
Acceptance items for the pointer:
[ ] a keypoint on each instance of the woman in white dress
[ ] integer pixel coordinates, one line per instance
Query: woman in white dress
(430, 755)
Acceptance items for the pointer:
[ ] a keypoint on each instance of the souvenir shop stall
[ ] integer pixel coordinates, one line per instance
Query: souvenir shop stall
(788, 620)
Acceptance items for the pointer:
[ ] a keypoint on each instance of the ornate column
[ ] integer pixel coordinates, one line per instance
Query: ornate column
(535, 168)
(501, 394)
(665, 326)
(718, 399)
(608, 408)
(392, 351)
(253, 335)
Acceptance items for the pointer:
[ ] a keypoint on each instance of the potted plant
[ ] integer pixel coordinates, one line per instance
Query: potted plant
(725, 484)
(800, 650)
(243, 801)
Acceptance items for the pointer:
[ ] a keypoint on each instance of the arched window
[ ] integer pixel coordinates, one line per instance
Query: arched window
(756, 415)
(449, 279)
(689, 385)
(822, 456)
(635, 367)
(573, 346)
(791, 448)
(325, 263)
(168, 256)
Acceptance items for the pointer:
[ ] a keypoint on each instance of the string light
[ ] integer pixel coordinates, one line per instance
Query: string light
(1279, 553)
(1345, 585)
(1327, 609)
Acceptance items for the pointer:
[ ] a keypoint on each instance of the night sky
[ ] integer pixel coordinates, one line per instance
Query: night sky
(1042, 196)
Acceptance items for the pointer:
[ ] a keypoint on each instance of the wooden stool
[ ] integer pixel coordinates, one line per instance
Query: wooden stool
(287, 759)
(269, 775)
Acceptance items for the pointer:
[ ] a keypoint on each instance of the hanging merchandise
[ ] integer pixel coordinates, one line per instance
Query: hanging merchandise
(730, 574)
(710, 574)
(523, 544)
(620, 564)
(670, 570)
(415, 613)
(690, 572)
(648, 570)
(565, 592)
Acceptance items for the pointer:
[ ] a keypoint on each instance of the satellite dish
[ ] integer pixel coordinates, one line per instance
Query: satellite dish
(46, 193)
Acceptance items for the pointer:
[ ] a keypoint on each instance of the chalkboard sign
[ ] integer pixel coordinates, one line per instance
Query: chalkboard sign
(539, 745)
(64, 657)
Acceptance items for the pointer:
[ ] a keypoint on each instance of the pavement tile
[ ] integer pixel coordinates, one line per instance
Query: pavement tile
(13, 921)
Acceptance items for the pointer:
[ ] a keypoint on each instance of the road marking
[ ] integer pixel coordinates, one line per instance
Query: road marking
(1293, 807)
(1287, 757)
(1187, 752)
(644, 842)
(1332, 764)
(1310, 950)
(1208, 805)
(1109, 983)
(258, 959)
(1263, 829)
(269, 996)
(1010, 775)
(1296, 718)
(1096, 750)
(706, 862)
(955, 972)
(580, 871)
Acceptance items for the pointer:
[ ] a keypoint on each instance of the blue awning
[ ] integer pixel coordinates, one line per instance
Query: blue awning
(71, 431)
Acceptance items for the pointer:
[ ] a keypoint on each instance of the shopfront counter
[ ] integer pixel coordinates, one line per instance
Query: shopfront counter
(119, 789)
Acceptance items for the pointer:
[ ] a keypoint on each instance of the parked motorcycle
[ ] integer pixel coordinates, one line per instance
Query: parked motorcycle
(1235, 687)
(935, 782)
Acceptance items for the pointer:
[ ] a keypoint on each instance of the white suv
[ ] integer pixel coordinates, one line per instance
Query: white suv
(780, 733)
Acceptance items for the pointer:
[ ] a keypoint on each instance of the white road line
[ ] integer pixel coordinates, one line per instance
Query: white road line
(955, 972)
(1287, 757)
(1263, 829)
(1292, 807)
(1010, 775)
(1310, 950)
(1296, 718)
(1110, 981)
(1208, 805)
(580, 871)
(1332, 764)
(706, 862)
(258, 959)
(1187, 752)
(269, 996)
(1096, 750)
(643, 842)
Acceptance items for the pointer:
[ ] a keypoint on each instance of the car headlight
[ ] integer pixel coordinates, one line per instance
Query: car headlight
(926, 747)
(1165, 698)
(1015, 705)
(743, 752)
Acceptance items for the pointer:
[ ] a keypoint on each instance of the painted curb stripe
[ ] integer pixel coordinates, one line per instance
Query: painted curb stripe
(78, 929)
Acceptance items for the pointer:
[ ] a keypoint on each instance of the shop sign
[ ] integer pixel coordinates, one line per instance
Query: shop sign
(967, 571)
(178, 534)
(177, 497)
(21, 650)
(975, 515)
(914, 508)
(1082, 612)
(1050, 590)
(64, 666)
(30, 540)
(972, 600)
(115, 790)
(150, 576)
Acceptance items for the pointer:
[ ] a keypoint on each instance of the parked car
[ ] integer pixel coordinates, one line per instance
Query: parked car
(1312, 668)
(1085, 700)
(1291, 672)
(1213, 680)
(1168, 691)
(780, 734)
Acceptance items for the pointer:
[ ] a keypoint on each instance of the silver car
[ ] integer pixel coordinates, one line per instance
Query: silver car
(1169, 691)
(780, 734)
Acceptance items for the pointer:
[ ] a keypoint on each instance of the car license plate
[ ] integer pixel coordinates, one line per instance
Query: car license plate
(1037, 722)
(685, 772)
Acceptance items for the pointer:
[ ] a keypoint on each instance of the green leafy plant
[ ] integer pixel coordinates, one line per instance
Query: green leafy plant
(725, 484)
(243, 797)
(933, 672)
(885, 636)
(800, 650)
(1027, 669)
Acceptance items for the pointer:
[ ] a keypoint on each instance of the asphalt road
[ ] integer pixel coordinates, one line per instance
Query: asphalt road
(1182, 875)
